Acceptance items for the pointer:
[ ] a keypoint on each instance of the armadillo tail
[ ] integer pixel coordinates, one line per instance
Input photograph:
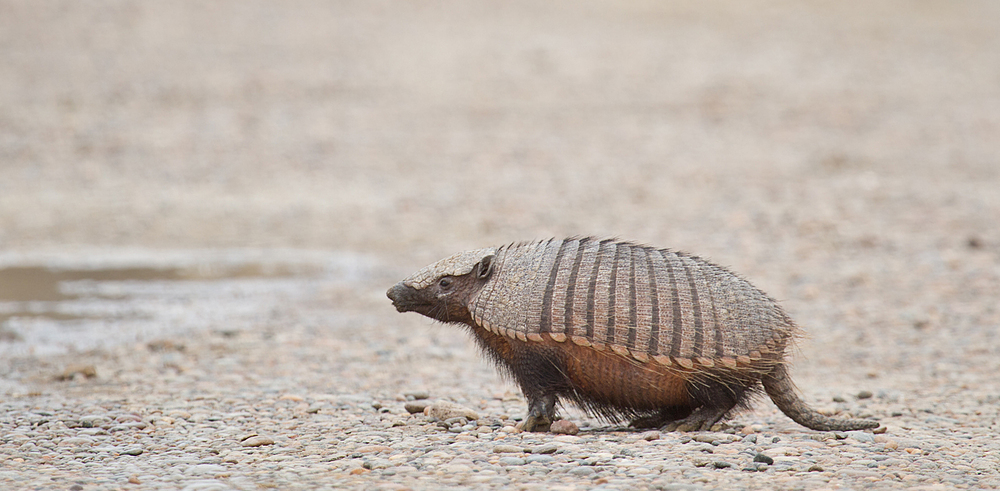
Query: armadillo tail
(779, 387)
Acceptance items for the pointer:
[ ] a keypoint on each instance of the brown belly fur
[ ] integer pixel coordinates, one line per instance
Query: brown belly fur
(601, 377)
(612, 379)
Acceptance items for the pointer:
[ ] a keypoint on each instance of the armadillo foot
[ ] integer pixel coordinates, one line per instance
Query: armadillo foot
(702, 419)
(651, 421)
(541, 414)
(663, 417)
(536, 423)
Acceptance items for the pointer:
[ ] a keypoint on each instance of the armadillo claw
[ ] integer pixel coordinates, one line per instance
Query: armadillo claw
(540, 423)
(702, 419)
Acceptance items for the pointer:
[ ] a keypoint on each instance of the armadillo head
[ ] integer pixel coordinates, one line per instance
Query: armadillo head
(442, 290)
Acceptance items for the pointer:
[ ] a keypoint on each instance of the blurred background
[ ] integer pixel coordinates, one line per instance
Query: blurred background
(394, 128)
(843, 156)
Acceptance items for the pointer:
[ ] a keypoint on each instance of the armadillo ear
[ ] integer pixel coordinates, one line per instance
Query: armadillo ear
(485, 267)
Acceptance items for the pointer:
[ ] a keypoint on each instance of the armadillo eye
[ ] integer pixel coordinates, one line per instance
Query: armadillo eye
(445, 283)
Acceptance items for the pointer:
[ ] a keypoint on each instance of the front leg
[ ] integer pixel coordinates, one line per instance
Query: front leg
(540, 373)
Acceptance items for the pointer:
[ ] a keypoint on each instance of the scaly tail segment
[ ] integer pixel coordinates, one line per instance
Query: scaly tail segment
(779, 387)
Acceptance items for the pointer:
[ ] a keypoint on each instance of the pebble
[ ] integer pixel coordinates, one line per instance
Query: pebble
(76, 371)
(444, 410)
(372, 449)
(548, 448)
(508, 449)
(540, 459)
(566, 439)
(457, 468)
(855, 473)
(79, 440)
(700, 447)
(861, 436)
(257, 441)
(205, 485)
(564, 427)
(206, 469)
(128, 418)
(583, 471)
(179, 413)
(649, 436)
(715, 438)
(416, 407)
(95, 420)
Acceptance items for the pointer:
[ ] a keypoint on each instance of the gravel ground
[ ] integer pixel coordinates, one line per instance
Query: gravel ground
(843, 159)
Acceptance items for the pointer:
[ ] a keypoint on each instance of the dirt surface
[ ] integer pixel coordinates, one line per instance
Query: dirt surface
(285, 164)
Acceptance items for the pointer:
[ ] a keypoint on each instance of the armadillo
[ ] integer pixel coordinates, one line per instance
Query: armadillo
(624, 331)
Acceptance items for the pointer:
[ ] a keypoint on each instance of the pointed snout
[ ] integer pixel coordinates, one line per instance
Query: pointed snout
(401, 296)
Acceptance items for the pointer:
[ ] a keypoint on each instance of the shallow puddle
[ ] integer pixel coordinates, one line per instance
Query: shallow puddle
(68, 303)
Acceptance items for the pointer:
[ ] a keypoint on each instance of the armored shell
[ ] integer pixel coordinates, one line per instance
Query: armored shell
(635, 300)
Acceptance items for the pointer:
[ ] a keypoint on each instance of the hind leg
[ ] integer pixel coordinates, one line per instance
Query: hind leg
(716, 400)
(662, 417)
(541, 413)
